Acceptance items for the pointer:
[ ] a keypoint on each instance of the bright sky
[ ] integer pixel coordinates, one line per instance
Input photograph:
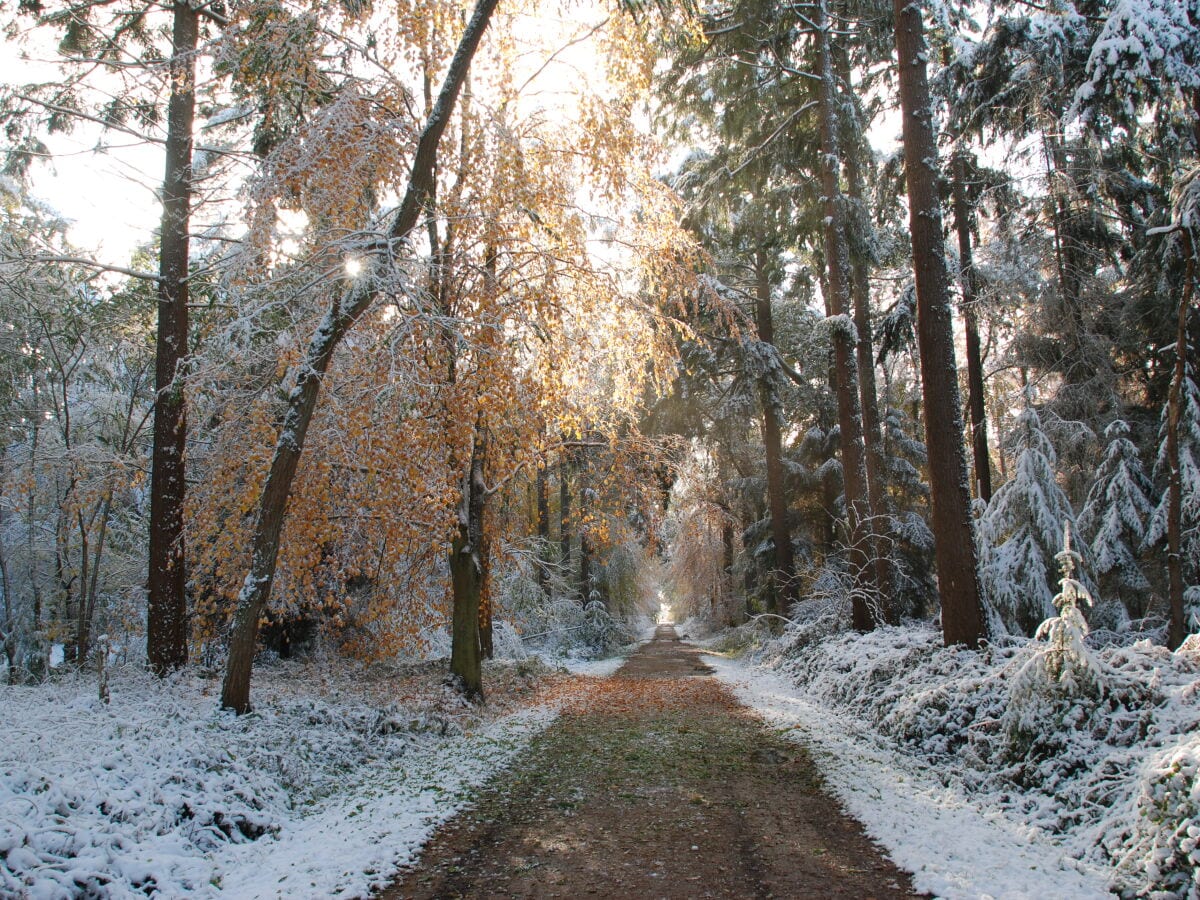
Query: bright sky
(111, 196)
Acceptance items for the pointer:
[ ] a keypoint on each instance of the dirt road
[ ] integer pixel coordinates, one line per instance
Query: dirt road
(655, 783)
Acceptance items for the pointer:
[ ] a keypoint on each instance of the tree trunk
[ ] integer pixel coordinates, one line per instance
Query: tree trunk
(466, 572)
(30, 503)
(9, 636)
(958, 578)
(837, 268)
(89, 579)
(487, 645)
(585, 543)
(564, 509)
(1177, 627)
(585, 567)
(349, 303)
(543, 531)
(166, 610)
(860, 291)
(970, 308)
(786, 589)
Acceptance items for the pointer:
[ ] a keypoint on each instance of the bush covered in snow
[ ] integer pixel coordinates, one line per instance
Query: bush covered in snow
(1105, 759)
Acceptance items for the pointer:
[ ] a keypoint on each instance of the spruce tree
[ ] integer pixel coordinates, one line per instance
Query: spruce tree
(1112, 523)
(1021, 531)
(1189, 505)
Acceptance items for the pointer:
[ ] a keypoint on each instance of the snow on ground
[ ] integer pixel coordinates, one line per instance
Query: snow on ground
(953, 848)
(360, 837)
(335, 780)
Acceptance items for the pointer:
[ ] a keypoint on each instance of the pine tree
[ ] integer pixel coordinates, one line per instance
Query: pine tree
(1189, 480)
(958, 575)
(1112, 523)
(1020, 531)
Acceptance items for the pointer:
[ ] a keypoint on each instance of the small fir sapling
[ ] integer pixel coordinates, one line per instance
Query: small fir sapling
(1053, 690)
(1065, 632)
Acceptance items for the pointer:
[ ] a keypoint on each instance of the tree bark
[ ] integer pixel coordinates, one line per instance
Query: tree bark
(543, 531)
(837, 279)
(786, 589)
(958, 578)
(963, 215)
(585, 568)
(564, 508)
(348, 306)
(1177, 627)
(860, 291)
(466, 575)
(487, 646)
(166, 612)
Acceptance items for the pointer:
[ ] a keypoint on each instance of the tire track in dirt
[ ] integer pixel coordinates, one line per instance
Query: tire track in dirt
(655, 783)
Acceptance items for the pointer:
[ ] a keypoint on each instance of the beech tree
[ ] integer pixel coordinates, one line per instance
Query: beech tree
(348, 305)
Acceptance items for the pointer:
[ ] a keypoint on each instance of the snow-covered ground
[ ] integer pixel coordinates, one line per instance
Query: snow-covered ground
(954, 849)
(333, 783)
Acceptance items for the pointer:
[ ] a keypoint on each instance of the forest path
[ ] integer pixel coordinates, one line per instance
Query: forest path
(655, 783)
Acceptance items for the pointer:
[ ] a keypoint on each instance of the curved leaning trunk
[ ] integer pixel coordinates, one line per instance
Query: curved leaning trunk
(347, 308)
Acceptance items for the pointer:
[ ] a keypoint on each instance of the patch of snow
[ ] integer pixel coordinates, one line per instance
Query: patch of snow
(326, 789)
(355, 842)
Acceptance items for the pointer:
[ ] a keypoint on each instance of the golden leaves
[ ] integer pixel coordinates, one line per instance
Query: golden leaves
(537, 301)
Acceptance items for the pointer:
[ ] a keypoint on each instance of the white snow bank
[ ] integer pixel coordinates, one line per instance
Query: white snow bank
(332, 783)
(953, 849)
(359, 838)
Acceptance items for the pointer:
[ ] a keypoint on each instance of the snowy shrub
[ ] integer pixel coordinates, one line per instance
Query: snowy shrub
(1059, 680)
(1088, 754)
(506, 641)
(558, 624)
(1165, 852)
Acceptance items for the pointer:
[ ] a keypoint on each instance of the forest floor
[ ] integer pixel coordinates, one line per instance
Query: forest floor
(655, 782)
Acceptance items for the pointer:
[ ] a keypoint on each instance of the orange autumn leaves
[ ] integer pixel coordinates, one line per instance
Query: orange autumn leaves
(531, 305)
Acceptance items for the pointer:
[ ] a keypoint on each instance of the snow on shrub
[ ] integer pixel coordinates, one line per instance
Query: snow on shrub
(1096, 746)
(1165, 849)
